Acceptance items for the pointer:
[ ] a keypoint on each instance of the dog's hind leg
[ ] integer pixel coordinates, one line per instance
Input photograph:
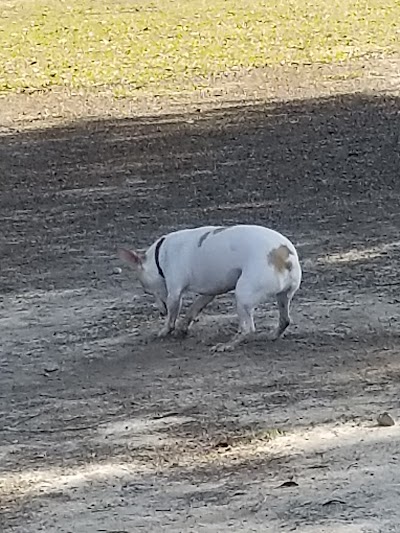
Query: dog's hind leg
(283, 299)
(246, 300)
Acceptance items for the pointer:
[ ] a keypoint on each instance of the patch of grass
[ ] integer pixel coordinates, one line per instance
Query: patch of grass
(167, 45)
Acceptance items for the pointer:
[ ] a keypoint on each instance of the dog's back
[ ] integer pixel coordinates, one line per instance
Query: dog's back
(211, 258)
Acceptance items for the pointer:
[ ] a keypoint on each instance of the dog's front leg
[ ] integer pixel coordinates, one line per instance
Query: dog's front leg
(174, 301)
(197, 306)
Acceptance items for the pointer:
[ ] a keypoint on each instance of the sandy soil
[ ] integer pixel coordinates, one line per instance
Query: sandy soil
(104, 431)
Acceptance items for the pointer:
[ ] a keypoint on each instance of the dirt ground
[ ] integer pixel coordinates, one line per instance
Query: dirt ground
(103, 430)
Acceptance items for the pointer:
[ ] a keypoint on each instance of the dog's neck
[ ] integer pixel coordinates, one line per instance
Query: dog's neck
(157, 257)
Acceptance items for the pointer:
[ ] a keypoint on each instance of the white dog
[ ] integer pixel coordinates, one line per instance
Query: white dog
(258, 263)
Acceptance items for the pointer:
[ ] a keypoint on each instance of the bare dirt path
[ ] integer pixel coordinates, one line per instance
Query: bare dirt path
(102, 431)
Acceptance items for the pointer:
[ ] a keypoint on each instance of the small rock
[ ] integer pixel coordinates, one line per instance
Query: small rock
(385, 419)
(335, 500)
(289, 483)
(51, 367)
(117, 270)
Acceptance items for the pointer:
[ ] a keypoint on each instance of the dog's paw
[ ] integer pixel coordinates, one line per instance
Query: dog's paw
(276, 335)
(180, 333)
(164, 332)
(222, 347)
(151, 337)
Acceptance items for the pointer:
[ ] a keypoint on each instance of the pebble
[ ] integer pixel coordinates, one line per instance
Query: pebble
(385, 420)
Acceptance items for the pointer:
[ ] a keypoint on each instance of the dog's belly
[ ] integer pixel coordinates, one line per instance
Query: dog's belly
(217, 283)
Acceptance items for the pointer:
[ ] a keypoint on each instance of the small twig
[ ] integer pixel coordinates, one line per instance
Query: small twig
(67, 428)
(392, 284)
(109, 530)
(19, 422)
(53, 430)
(165, 415)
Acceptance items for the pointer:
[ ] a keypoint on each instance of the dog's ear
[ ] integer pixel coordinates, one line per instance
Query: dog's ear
(135, 259)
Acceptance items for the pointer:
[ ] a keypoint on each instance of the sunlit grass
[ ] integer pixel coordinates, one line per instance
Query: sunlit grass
(166, 45)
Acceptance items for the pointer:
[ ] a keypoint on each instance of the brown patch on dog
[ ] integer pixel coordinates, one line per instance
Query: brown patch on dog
(278, 258)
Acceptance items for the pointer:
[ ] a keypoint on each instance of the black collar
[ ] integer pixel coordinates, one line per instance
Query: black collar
(157, 257)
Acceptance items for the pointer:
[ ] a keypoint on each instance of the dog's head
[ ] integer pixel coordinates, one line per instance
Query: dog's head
(148, 276)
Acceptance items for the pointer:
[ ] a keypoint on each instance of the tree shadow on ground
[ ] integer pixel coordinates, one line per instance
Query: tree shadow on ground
(323, 171)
